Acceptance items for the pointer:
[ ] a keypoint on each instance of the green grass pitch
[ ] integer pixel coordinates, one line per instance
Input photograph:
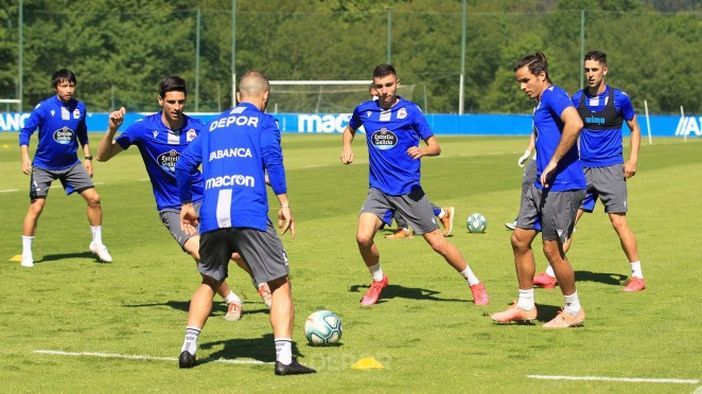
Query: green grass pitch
(425, 331)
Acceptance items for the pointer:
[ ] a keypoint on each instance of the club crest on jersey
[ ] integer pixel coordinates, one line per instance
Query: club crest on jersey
(402, 113)
(168, 160)
(190, 135)
(63, 136)
(76, 113)
(384, 139)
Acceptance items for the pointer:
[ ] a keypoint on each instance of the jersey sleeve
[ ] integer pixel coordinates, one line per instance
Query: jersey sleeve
(420, 124)
(273, 157)
(130, 136)
(558, 101)
(623, 102)
(82, 131)
(30, 126)
(188, 162)
(355, 121)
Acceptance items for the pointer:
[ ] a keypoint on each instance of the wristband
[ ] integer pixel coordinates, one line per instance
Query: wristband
(89, 157)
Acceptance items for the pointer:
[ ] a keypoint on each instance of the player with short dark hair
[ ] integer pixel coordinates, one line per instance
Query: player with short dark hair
(61, 123)
(394, 127)
(161, 138)
(550, 204)
(239, 148)
(603, 110)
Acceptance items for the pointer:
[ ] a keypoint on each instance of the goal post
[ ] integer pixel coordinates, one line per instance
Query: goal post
(7, 103)
(322, 96)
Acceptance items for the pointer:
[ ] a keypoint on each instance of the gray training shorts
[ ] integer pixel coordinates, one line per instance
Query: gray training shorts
(552, 213)
(261, 250)
(607, 183)
(170, 218)
(73, 179)
(414, 207)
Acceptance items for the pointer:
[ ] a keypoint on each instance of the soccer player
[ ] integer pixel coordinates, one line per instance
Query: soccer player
(552, 201)
(603, 109)
(61, 123)
(240, 147)
(394, 127)
(161, 138)
(403, 230)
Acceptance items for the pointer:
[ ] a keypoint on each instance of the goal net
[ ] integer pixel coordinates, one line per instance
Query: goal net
(322, 96)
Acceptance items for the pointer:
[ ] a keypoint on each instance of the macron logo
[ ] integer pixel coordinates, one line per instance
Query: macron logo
(230, 180)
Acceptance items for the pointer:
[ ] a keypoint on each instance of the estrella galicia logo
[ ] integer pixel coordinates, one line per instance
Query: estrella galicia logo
(64, 135)
(384, 139)
(168, 160)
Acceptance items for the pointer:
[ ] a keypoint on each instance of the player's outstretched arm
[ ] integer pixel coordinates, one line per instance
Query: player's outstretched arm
(108, 148)
(346, 156)
(527, 152)
(634, 145)
(286, 221)
(431, 149)
(572, 125)
(26, 160)
(88, 161)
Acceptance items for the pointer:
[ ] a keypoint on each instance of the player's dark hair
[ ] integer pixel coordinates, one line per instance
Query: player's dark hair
(383, 70)
(536, 63)
(63, 74)
(598, 56)
(171, 83)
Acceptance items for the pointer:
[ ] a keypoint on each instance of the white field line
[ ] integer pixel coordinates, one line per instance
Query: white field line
(9, 190)
(138, 357)
(610, 379)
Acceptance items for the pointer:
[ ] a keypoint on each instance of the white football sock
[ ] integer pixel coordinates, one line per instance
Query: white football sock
(283, 350)
(636, 271)
(377, 272)
(526, 299)
(470, 276)
(232, 299)
(97, 234)
(190, 341)
(572, 304)
(27, 245)
(550, 272)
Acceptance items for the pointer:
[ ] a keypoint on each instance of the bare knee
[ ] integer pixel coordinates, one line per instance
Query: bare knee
(93, 200)
(364, 239)
(36, 207)
(519, 244)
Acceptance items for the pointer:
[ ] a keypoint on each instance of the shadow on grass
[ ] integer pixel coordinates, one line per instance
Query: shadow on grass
(607, 278)
(61, 256)
(544, 314)
(261, 349)
(218, 309)
(397, 291)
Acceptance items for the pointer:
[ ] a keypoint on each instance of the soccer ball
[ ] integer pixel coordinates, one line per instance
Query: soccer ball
(477, 223)
(323, 328)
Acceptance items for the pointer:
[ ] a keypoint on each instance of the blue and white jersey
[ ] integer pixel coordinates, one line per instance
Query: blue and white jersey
(61, 126)
(236, 151)
(160, 148)
(389, 133)
(602, 146)
(549, 127)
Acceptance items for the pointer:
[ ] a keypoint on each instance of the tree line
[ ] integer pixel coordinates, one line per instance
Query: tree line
(120, 50)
